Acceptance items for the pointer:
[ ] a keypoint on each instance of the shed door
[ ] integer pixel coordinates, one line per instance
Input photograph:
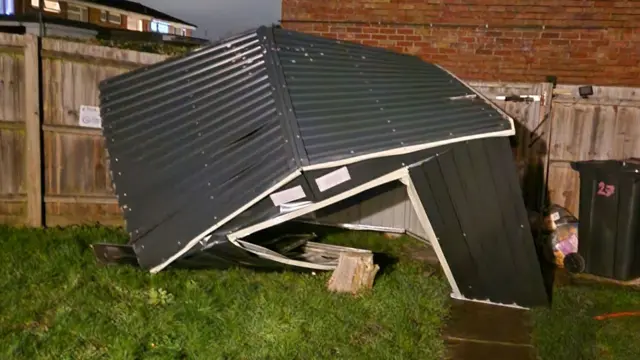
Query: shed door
(472, 198)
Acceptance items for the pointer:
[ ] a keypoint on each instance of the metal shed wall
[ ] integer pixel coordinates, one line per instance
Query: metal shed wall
(389, 210)
(474, 205)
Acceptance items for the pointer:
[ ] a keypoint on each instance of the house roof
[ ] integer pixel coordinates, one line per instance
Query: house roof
(135, 7)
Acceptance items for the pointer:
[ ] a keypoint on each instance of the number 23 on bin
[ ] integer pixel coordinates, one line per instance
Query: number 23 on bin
(605, 190)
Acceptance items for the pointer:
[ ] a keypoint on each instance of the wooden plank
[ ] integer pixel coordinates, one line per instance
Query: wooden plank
(88, 52)
(12, 40)
(106, 199)
(33, 133)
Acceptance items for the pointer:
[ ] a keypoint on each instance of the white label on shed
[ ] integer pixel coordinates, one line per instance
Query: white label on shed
(90, 117)
(289, 195)
(333, 178)
(555, 216)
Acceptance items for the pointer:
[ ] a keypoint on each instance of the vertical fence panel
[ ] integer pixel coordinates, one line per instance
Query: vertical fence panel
(77, 182)
(12, 140)
(604, 126)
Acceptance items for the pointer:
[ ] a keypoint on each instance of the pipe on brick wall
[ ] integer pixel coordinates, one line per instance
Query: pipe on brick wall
(449, 25)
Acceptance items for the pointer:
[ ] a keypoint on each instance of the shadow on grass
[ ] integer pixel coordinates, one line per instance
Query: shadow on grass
(386, 262)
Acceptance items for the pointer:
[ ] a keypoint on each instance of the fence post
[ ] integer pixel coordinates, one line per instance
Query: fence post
(33, 132)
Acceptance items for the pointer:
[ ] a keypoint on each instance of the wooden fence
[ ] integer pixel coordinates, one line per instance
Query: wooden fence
(74, 171)
(72, 168)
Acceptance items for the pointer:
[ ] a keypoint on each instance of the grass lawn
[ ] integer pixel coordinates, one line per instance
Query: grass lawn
(56, 303)
(568, 330)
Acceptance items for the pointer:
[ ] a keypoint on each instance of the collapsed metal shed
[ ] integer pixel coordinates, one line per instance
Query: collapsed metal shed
(234, 139)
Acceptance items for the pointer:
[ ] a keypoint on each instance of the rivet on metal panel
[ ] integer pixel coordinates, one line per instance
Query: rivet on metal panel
(464, 234)
(352, 151)
(381, 109)
(179, 243)
(298, 136)
(200, 134)
(522, 226)
(137, 231)
(403, 164)
(286, 141)
(393, 130)
(209, 184)
(125, 194)
(119, 173)
(311, 59)
(450, 134)
(321, 54)
(205, 165)
(401, 142)
(211, 197)
(141, 246)
(306, 54)
(389, 121)
(116, 159)
(215, 218)
(293, 61)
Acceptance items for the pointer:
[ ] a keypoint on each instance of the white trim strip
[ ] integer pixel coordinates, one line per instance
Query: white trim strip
(409, 149)
(488, 302)
(395, 175)
(482, 96)
(356, 227)
(202, 235)
(271, 255)
(431, 235)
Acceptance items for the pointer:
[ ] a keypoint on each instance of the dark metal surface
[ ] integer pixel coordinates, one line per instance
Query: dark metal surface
(194, 139)
(351, 100)
(191, 140)
(474, 203)
(609, 230)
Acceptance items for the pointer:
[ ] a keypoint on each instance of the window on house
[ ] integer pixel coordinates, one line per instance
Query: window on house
(7, 7)
(183, 32)
(77, 13)
(49, 5)
(115, 18)
(103, 15)
(159, 26)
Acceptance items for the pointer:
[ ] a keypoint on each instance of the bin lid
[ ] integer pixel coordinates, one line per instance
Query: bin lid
(631, 165)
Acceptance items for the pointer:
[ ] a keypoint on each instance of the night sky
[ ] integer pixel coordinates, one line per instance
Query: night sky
(218, 18)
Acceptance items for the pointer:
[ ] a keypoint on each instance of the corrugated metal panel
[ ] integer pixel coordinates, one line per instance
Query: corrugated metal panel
(389, 209)
(351, 99)
(191, 140)
(473, 201)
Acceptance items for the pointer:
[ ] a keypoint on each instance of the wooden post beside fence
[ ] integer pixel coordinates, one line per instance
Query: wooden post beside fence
(33, 132)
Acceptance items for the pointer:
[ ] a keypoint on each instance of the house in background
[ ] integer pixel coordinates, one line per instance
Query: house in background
(114, 14)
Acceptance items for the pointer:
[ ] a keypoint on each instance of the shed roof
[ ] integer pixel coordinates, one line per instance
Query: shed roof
(196, 141)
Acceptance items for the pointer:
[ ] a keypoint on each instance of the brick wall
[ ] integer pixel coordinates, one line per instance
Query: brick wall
(595, 42)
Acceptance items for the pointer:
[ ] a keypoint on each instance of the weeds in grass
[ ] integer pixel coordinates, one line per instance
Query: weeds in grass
(57, 303)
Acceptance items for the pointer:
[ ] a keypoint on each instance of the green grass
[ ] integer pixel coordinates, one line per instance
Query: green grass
(568, 330)
(56, 303)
